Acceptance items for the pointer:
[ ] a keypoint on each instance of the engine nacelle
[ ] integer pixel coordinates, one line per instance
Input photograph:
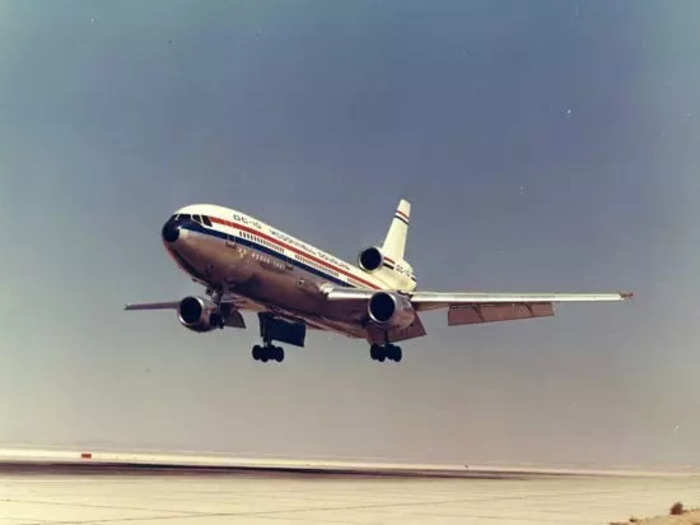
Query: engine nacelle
(198, 314)
(391, 310)
(370, 259)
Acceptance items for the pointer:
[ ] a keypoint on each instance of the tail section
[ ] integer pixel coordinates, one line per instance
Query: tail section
(395, 241)
(387, 263)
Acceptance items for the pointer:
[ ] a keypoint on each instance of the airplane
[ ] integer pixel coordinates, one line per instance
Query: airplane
(247, 265)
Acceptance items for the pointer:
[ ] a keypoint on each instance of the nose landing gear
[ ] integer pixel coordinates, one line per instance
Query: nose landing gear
(386, 351)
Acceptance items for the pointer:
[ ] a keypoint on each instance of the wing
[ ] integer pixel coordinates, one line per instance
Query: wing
(482, 307)
(233, 318)
(172, 305)
(433, 300)
(479, 307)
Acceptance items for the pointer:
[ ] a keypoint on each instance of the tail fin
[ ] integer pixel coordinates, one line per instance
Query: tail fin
(395, 242)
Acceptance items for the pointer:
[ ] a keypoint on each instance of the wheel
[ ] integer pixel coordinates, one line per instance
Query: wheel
(373, 352)
(389, 351)
(279, 354)
(256, 352)
(394, 352)
(265, 354)
(381, 354)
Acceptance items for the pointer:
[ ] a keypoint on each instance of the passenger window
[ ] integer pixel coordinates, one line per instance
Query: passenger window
(206, 220)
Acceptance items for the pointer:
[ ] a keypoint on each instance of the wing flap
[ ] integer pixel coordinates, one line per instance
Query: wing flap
(235, 319)
(377, 335)
(459, 314)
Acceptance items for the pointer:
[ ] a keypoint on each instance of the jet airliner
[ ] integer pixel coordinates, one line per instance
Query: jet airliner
(247, 265)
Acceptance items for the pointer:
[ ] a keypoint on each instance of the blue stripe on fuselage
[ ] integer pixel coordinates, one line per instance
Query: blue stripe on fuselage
(198, 228)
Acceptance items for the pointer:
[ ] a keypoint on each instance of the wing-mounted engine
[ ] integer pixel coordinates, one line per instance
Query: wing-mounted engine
(198, 314)
(390, 310)
(392, 318)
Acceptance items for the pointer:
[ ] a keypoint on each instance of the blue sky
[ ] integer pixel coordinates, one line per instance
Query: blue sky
(545, 146)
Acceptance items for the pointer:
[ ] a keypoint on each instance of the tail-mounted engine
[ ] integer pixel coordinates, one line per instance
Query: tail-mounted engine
(198, 314)
(391, 310)
(371, 259)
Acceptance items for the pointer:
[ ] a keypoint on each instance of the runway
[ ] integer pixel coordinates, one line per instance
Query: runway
(70, 492)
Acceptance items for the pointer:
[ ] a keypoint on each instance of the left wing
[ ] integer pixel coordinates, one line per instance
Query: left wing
(484, 307)
(172, 305)
(433, 300)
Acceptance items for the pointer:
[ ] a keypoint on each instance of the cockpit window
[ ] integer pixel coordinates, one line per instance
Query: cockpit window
(206, 220)
(183, 216)
(196, 218)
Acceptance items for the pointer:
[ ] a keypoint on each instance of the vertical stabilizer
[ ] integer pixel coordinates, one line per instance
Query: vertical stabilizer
(395, 242)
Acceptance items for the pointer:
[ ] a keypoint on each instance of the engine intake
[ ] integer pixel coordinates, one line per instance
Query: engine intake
(370, 259)
(198, 314)
(390, 309)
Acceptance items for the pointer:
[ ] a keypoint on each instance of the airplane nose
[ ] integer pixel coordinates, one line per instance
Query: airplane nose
(171, 231)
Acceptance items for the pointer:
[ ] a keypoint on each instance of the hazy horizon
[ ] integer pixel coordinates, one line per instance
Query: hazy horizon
(544, 146)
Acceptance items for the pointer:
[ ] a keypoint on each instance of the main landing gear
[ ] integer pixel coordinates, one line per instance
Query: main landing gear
(387, 351)
(268, 352)
(275, 329)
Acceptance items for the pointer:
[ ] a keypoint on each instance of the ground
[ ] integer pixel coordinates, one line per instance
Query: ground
(119, 495)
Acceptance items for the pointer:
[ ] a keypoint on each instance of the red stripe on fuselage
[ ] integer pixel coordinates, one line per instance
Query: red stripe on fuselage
(232, 224)
(402, 214)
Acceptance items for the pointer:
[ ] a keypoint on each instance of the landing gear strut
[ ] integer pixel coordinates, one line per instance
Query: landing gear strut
(218, 317)
(386, 351)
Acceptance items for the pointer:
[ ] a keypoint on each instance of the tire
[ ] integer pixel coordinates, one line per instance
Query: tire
(256, 352)
(398, 354)
(279, 354)
(373, 352)
(390, 351)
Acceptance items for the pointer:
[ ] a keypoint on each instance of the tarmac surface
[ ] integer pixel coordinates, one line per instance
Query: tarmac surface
(79, 493)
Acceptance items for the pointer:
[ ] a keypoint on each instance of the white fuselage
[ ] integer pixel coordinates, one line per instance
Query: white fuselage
(268, 269)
